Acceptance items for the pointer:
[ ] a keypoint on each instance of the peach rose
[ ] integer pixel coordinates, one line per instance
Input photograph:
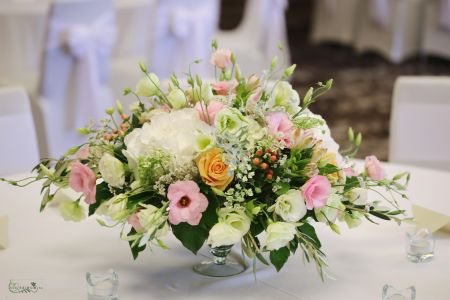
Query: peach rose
(213, 171)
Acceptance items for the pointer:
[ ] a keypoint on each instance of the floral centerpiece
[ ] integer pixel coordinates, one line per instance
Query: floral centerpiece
(219, 162)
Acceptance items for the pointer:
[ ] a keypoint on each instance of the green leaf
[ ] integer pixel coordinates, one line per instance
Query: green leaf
(192, 237)
(379, 215)
(262, 258)
(102, 194)
(309, 230)
(136, 249)
(279, 257)
(328, 169)
(282, 188)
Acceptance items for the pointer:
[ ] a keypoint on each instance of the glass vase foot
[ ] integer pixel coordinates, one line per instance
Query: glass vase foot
(220, 265)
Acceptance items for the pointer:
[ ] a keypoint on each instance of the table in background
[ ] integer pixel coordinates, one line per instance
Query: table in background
(56, 254)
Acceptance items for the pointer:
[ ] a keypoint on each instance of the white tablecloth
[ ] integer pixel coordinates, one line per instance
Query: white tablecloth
(56, 254)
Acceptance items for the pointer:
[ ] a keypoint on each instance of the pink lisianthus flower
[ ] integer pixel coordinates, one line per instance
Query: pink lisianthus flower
(209, 113)
(278, 122)
(83, 152)
(186, 203)
(373, 168)
(225, 88)
(254, 98)
(221, 58)
(133, 220)
(316, 191)
(82, 179)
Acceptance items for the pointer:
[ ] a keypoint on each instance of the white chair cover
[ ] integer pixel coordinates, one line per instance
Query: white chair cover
(256, 39)
(183, 33)
(444, 14)
(80, 39)
(335, 20)
(19, 148)
(436, 31)
(420, 122)
(399, 38)
(379, 12)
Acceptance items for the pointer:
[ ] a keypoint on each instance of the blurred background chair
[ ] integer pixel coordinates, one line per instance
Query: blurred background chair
(391, 28)
(255, 41)
(335, 21)
(74, 89)
(135, 23)
(436, 39)
(19, 151)
(183, 33)
(420, 122)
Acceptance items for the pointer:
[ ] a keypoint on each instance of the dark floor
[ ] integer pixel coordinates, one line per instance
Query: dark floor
(363, 84)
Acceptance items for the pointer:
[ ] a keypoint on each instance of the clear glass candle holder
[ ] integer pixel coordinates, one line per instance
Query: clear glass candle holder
(391, 293)
(419, 244)
(103, 286)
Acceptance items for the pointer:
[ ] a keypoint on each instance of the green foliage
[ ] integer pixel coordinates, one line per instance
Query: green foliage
(135, 249)
(102, 194)
(328, 169)
(309, 231)
(308, 122)
(279, 257)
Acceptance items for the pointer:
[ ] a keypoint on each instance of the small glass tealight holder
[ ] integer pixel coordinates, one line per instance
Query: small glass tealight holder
(391, 293)
(103, 286)
(419, 244)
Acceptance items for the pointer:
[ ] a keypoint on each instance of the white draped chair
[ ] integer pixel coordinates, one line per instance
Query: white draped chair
(436, 39)
(73, 90)
(135, 20)
(392, 28)
(19, 149)
(183, 33)
(335, 21)
(255, 42)
(420, 122)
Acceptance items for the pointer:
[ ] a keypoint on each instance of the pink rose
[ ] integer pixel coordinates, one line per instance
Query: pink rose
(221, 58)
(224, 88)
(316, 191)
(83, 152)
(373, 168)
(133, 220)
(82, 179)
(186, 202)
(208, 115)
(278, 122)
(349, 172)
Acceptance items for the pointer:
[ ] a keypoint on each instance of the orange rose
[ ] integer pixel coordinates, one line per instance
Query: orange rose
(213, 170)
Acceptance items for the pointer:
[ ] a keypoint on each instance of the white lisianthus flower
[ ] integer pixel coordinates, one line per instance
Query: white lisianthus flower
(72, 210)
(115, 208)
(231, 120)
(204, 93)
(255, 132)
(331, 210)
(279, 234)
(237, 219)
(290, 206)
(204, 142)
(151, 218)
(177, 98)
(148, 86)
(174, 132)
(112, 170)
(64, 194)
(223, 234)
(285, 96)
(358, 196)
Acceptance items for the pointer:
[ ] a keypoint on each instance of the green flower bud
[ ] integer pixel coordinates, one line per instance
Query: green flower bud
(119, 107)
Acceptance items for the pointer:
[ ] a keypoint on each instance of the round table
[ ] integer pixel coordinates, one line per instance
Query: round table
(56, 255)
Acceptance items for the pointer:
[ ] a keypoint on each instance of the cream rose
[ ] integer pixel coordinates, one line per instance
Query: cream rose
(279, 234)
(112, 170)
(223, 234)
(290, 206)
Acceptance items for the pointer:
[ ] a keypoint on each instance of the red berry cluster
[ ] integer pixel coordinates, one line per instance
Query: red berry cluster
(263, 160)
(123, 128)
